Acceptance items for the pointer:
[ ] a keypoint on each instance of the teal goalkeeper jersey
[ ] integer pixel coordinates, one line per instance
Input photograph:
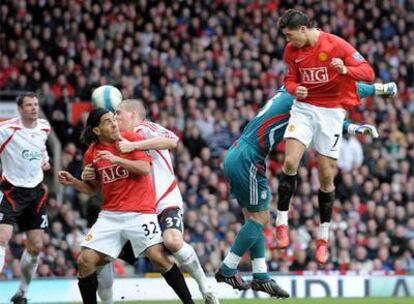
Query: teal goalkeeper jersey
(266, 130)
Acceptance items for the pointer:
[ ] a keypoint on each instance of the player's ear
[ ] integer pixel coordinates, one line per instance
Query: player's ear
(96, 131)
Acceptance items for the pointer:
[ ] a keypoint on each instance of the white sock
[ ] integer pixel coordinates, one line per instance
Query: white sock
(187, 257)
(232, 260)
(324, 231)
(281, 218)
(2, 257)
(105, 281)
(28, 266)
(259, 265)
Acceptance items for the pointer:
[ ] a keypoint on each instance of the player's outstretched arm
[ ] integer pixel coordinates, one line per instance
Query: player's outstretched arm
(155, 143)
(67, 179)
(388, 89)
(356, 129)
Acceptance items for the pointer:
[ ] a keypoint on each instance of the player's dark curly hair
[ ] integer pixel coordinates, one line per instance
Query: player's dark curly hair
(293, 19)
(93, 121)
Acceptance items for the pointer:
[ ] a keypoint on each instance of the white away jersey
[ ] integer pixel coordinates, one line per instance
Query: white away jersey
(23, 152)
(166, 189)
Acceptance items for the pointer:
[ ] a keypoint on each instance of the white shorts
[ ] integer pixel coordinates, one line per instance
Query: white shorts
(320, 128)
(113, 229)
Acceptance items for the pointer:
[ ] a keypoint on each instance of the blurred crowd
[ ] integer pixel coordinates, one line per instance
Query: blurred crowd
(203, 68)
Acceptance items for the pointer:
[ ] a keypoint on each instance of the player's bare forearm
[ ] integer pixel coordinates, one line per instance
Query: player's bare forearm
(138, 167)
(157, 143)
(85, 187)
(67, 179)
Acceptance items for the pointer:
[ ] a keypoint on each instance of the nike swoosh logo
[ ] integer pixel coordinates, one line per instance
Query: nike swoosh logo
(299, 60)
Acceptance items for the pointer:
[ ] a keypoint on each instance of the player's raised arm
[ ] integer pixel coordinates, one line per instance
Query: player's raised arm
(155, 143)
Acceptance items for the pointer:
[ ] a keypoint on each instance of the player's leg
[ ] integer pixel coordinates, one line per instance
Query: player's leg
(242, 169)
(105, 276)
(29, 260)
(326, 197)
(148, 239)
(298, 136)
(7, 219)
(88, 261)
(246, 238)
(33, 220)
(6, 231)
(169, 271)
(287, 186)
(172, 233)
(261, 278)
(327, 144)
(102, 241)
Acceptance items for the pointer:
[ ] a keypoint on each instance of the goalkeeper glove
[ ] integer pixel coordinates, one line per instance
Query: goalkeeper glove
(388, 89)
(355, 129)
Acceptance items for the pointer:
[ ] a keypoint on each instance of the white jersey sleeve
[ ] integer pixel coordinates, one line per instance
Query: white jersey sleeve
(6, 130)
(166, 189)
(151, 130)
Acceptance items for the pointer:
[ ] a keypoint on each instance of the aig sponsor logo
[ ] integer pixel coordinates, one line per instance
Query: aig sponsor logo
(113, 173)
(314, 75)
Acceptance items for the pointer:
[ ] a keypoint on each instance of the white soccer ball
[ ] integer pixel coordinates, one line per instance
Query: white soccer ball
(107, 97)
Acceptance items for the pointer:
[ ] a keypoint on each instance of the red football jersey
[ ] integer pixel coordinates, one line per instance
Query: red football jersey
(122, 190)
(310, 67)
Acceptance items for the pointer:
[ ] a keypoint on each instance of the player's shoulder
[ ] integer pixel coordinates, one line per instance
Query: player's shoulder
(43, 125)
(131, 136)
(90, 149)
(153, 126)
(10, 123)
(89, 153)
(331, 38)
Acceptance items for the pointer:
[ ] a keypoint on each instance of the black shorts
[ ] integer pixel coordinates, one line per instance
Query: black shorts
(23, 206)
(171, 218)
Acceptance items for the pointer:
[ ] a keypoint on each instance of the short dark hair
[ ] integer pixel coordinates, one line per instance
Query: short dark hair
(22, 96)
(94, 119)
(293, 19)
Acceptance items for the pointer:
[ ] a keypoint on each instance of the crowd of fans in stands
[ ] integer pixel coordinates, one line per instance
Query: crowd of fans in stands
(203, 68)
